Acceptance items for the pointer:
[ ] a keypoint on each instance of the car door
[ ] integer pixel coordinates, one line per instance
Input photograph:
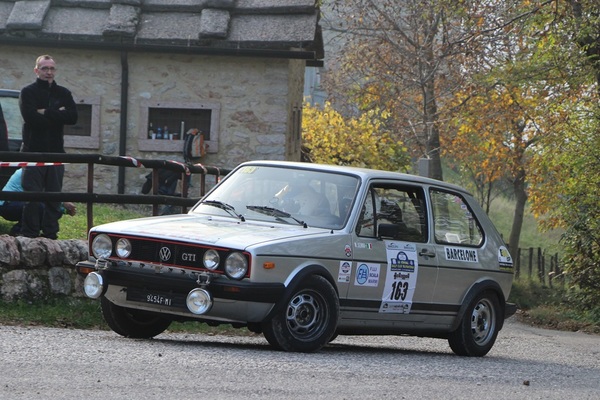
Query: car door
(394, 270)
(459, 245)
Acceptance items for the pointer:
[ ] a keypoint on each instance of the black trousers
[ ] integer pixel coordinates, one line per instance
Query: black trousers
(42, 179)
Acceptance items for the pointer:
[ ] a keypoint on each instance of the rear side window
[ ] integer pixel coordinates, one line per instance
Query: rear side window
(454, 221)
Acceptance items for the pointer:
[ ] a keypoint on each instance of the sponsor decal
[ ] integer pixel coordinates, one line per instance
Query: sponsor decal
(504, 259)
(402, 262)
(461, 254)
(344, 272)
(400, 279)
(348, 250)
(392, 246)
(367, 275)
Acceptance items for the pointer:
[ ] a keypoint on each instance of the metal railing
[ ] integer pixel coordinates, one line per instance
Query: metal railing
(16, 159)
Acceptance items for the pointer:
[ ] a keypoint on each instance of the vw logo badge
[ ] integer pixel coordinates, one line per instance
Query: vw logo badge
(164, 253)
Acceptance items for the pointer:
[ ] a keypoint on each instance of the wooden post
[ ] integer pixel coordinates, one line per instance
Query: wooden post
(552, 273)
(518, 263)
(541, 266)
(530, 262)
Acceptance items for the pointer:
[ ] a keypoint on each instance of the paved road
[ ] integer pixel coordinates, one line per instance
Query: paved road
(526, 363)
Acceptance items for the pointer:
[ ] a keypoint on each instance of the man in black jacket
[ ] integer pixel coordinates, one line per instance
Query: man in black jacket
(46, 107)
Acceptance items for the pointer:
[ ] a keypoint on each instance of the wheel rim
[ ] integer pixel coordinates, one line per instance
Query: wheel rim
(306, 315)
(483, 322)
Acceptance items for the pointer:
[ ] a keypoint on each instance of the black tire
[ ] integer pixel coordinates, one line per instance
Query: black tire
(332, 338)
(133, 323)
(308, 319)
(478, 328)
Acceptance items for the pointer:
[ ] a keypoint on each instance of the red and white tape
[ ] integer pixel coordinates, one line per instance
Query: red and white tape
(29, 164)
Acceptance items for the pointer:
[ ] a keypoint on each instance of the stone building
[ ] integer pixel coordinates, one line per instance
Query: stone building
(234, 69)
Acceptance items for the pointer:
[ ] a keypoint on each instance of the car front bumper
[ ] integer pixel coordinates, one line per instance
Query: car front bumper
(239, 301)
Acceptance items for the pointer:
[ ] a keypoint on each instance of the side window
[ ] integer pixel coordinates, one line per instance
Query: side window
(394, 211)
(454, 222)
(86, 133)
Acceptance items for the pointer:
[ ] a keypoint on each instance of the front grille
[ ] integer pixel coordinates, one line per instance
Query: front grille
(170, 253)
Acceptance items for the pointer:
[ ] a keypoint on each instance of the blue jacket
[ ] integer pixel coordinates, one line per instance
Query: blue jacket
(13, 184)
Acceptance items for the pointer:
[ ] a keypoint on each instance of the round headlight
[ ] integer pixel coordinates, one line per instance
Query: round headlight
(211, 259)
(93, 285)
(102, 246)
(236, 265)
(123, 248)
(199, 301)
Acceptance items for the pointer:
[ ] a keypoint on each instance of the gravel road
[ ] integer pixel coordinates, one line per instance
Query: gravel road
(525, 363)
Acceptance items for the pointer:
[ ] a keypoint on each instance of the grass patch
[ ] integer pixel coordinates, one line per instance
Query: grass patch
(84, 313)
(57, 312)
(552, 308)
(75, 227)
(528, 294)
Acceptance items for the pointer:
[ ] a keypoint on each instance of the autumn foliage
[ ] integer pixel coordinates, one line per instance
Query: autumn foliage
(362, 141)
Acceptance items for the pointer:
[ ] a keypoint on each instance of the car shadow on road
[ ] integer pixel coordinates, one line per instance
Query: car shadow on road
(258, 343)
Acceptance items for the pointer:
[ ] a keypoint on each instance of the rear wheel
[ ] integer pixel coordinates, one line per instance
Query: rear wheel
(308, 320)
(478, 328)
(133, 323)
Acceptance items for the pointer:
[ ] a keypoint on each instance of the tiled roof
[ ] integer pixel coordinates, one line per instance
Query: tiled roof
(286, 27)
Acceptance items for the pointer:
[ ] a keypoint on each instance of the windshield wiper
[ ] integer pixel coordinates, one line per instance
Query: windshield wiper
(274, 212)
(224, 206)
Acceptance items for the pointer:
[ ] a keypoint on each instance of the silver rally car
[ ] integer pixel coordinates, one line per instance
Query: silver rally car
(305, 252)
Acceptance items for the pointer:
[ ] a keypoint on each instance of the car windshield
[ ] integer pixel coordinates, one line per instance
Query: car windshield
(295, 196)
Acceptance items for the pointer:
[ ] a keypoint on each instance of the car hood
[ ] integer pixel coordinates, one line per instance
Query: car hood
(218, 231)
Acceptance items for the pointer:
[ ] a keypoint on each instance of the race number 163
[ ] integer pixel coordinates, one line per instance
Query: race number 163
(399, 290)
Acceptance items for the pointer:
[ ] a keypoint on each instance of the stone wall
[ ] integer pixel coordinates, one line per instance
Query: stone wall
(32, 269)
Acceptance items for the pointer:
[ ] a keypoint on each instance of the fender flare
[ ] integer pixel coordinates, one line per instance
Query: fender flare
(296, 281)
(485, 285)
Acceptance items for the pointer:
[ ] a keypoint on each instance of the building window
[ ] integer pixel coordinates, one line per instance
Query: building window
(163, 125)
(85, 134)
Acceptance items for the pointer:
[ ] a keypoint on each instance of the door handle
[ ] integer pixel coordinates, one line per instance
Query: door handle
(426, 253)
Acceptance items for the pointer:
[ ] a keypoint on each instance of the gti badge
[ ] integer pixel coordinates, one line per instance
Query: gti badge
(165, 254)
(188, 257)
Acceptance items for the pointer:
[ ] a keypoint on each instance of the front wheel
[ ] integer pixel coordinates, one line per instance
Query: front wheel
(308, 320)
(478, 328)
(133, 323)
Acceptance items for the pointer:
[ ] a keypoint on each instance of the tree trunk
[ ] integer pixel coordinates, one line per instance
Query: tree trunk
(432, 130)
(521, 197)
(433, 150)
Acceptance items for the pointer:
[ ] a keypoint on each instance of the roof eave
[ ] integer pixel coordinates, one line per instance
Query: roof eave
(242, 49)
